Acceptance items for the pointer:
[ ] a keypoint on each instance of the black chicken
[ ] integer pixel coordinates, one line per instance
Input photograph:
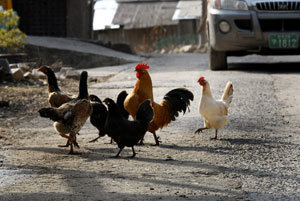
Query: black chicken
(99, 114)
(123, 131)
(98, 117)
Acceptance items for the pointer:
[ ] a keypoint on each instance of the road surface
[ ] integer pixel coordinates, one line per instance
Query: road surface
(256, 158)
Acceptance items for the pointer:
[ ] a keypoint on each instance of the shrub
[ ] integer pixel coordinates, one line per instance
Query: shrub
(11, 38)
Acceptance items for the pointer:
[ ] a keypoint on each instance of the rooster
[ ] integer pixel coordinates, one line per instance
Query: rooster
(214, 112)
(71, 116)
(126, 132)
(98, 117)
(175, 101)
(55, 96)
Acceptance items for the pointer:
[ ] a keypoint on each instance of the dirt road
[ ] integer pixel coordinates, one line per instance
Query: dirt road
(256, 158)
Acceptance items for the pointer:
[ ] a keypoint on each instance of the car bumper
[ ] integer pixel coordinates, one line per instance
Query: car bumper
(249, 31)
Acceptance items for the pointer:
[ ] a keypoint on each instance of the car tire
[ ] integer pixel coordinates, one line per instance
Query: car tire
(217, 59)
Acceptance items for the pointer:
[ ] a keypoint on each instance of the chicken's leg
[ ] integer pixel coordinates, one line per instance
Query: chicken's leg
(121, 148)
(68, 142)
(73, 136)
(133, 155)
(156, 139)
(66, 145)
(216, 135)
(141, 142)
(71, 149)
(199, 130)
(73, 142)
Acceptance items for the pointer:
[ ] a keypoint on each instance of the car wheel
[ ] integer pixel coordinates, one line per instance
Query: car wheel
(217, 59)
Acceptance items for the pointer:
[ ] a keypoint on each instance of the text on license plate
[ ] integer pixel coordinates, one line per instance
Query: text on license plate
(285, 41)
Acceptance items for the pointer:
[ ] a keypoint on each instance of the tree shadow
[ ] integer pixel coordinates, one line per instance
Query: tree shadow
(88, 179)
(216, 150)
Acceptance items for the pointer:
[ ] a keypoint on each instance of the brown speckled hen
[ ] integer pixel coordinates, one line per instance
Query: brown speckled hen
(71, 116)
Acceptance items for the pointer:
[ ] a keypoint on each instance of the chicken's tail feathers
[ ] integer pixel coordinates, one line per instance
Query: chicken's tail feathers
(50, 113)
(228, 93)
(179, 100)
(145, 111)
(120, 102)
(83, 89)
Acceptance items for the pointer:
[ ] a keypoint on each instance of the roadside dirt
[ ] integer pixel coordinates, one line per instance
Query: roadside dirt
(25, 99)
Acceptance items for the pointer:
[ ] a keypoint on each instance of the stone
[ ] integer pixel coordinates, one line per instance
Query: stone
(185, 48)
(5, 71)
(64, 70)
(17, 74)
(24, 67)
(38, 74)
(28, 75)
(4, 104)
(73, 74)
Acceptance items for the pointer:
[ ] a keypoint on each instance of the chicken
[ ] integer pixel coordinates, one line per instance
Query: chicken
(175, 101)
(126, 132)
(71, 116)
(98, 117)
(214, 112)
(99, 114)
(55, 96)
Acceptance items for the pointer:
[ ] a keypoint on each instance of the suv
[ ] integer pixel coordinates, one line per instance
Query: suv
(242, 27)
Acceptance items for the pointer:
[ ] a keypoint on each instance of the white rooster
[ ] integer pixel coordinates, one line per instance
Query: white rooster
(214, 112)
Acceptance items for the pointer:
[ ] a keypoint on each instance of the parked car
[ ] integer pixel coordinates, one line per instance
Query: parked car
(242, 27)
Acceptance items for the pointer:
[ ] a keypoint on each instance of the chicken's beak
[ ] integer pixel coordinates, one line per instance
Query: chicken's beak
(42, 69)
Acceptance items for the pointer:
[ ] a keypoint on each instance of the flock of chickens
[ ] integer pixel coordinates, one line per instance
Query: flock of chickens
(112, 118)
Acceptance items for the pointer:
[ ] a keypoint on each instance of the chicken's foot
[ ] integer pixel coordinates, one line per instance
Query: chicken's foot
(68, 142)
(157, 141)
(66, 145)
(133, 155)
(216, 135)
(71, 149)
(116, 156)
(94, 140)
(111, 141)
(199, 130)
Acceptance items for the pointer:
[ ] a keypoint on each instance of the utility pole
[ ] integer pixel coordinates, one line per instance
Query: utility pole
(202, 28)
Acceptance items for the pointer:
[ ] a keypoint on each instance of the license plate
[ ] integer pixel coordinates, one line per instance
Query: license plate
(283, 41)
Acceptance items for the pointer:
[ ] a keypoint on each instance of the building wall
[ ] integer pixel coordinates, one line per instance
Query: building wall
(42, 17)
(155, 38)
(60, 18)
(138, 39)
(79, 18)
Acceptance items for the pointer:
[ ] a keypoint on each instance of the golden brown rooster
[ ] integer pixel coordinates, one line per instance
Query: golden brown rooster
(175, 101)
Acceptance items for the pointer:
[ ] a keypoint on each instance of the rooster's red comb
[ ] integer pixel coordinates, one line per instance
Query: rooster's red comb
(141, 66)
(201, 78)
